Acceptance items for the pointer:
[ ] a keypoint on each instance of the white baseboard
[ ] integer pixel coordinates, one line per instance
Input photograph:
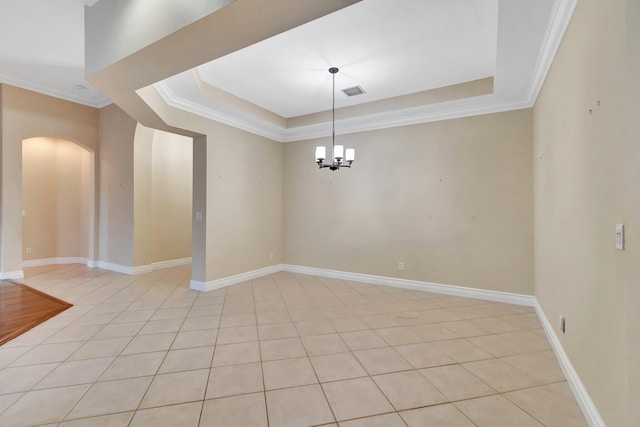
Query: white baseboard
(124, 269)
(170, 263)
(54, 261)
(118, 268)
(506, 297)
(591, 413)
(12, 275)
(232, 280)
(141, 269)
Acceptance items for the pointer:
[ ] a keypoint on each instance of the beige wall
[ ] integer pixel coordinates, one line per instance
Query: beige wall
(55, 198)
(238, 187)
(171, 196)
(452, 200)
(117, 132)
(145, 193)
(632, 157)
(24, 115)
(243, 201)
(142, 233)
(586, 181)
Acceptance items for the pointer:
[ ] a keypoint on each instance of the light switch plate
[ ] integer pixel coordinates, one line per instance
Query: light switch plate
(620, 236)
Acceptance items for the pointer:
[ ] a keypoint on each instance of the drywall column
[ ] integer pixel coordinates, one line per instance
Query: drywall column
(11, 181)
(116, 235)
(199, 214)
(142, 165)
(11, 191)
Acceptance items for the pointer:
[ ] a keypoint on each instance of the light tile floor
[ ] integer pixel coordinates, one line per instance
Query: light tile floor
(282, 350)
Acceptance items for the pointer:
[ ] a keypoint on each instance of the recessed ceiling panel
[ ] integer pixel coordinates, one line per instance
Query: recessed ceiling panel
(390, 48)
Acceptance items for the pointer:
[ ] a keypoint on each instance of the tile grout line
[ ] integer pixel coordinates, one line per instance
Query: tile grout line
(315, 297)
(316, 374)
(264, 385)
(167, 351)
(116, 356)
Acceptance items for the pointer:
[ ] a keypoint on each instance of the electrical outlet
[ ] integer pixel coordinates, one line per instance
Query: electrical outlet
(401, 266)
(270, 255)
(562, 324)
(28, 250)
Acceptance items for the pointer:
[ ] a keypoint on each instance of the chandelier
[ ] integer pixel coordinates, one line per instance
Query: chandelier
(341, 158)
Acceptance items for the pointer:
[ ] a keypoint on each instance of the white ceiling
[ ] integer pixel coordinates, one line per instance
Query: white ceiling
(389, 47)
(42, 48)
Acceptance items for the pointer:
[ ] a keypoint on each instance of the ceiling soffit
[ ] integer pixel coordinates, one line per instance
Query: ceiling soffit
(526, 41)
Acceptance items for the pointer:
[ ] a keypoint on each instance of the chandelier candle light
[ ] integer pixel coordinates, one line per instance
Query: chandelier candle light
(341, 158)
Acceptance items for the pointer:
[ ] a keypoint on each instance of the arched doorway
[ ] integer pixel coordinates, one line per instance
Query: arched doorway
(163, 193)
(58, 202)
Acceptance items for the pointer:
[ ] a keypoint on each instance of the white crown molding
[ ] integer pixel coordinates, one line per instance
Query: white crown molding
(425, 114)
(54, 261)
(254, 126)
(12, 275)
(560, 19)
(589, 409)
(486, 104)
(232, 280)
(402, 118)
(34, 87)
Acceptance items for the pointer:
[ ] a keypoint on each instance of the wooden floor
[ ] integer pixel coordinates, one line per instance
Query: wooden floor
(22, 308)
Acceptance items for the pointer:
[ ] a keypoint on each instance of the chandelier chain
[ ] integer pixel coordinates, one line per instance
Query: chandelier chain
(333, 108)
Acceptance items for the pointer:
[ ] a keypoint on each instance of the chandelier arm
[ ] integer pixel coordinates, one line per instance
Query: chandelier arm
(340, 161)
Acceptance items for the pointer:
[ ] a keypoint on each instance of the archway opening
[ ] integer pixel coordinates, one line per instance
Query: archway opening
(163, 192)
(58, 193)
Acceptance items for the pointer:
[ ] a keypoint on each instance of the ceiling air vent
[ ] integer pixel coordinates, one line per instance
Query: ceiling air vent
(353, 91)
